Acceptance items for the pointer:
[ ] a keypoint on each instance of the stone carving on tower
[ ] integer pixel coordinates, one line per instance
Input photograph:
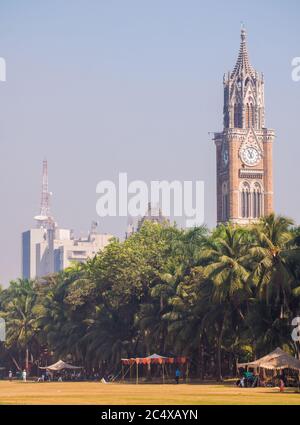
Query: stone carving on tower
(244, 147)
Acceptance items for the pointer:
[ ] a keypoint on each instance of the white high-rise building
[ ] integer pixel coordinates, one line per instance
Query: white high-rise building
(48, 249)
(30, 239)
(68, 251)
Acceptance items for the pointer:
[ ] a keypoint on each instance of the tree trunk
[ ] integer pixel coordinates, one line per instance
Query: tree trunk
(201, 371)
(26, 359)
(16, 363)
(219, 351)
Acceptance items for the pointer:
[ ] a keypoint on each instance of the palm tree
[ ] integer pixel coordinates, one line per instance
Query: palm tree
(150, 314)
(226, 267)
(188, 318)
(20, 312)
(270, 257)
(108, 338)
(186, 248)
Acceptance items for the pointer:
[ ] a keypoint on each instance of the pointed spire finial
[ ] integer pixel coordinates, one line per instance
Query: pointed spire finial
(243, 65)
(243, 31)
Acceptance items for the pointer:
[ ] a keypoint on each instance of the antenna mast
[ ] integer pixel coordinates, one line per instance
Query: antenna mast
(44, 219)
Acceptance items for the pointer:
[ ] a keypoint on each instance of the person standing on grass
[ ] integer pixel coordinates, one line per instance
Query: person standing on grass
(177, 375)
(24, 375)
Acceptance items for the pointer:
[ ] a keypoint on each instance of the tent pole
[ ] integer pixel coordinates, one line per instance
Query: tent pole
(187, 372)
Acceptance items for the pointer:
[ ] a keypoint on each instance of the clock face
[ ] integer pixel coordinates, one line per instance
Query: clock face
(250, 156)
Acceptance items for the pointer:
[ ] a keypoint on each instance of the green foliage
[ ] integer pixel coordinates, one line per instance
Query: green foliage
(218, 297)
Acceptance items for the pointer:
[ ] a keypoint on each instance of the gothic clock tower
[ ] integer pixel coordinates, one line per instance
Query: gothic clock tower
(244, 148)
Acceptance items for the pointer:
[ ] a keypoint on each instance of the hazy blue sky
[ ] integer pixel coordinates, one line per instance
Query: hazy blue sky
(100, 87)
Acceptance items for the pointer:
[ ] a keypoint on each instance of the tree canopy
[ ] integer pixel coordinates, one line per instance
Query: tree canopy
(217, 296)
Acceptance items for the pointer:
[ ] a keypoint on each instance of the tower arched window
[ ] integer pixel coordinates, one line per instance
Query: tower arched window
(247, 115)
(257, 201)
(250, 114)
(238, 116)
(225, 202)
(245, 200)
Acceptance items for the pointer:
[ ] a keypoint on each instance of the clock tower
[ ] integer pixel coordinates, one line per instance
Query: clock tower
(244, 148)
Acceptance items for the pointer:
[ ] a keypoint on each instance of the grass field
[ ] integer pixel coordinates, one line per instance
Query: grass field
(97, 393)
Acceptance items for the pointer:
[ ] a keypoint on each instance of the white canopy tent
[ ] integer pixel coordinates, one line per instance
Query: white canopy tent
(276, 360)
(60, 365)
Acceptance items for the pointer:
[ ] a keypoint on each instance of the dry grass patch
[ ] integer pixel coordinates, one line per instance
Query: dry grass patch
(97, 393)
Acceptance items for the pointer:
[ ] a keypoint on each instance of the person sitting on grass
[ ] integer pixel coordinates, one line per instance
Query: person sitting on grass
(41, 378)
(248, 378)
(282, 382)
(240, 382)
(256, 380)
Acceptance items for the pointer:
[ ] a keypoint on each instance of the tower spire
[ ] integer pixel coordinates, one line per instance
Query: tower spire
(243, 65)
(244, 147)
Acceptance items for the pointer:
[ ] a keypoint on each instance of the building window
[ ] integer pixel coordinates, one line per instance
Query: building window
(245, 200)
(225, 202)
(257, 201)
(238, 116)
(250, 115)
